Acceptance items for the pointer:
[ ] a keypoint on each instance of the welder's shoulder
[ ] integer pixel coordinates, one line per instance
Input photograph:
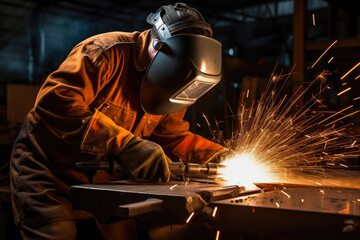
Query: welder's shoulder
(106, 41)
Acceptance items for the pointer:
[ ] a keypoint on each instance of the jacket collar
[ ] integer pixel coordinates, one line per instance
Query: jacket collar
(141, 50)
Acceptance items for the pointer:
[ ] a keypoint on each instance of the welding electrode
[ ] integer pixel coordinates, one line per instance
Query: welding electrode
(176, 168)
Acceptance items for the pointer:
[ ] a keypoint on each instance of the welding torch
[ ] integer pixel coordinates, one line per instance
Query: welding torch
(178, 169)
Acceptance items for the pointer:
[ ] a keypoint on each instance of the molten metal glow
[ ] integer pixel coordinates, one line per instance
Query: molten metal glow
(244, 169)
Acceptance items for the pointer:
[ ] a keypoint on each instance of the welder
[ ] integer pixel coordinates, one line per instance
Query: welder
(117, 94)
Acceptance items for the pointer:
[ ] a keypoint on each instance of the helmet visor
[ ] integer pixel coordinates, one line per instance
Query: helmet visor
(183, 70)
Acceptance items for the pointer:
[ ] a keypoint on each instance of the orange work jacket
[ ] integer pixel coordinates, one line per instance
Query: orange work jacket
(102, 73)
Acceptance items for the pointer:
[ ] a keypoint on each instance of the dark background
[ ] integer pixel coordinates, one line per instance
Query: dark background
(257, 35)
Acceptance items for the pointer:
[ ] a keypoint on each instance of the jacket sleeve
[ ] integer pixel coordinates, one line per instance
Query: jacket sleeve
(62, 104)
(178, 142)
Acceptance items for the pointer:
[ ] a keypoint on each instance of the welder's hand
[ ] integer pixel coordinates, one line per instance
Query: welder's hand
(144, 160)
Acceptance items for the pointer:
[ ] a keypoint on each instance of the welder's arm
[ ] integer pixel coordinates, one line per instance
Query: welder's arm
(62, 104)
(179, 143)
(143, 159)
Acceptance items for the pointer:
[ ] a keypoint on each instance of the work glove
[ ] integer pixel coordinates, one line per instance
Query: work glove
(141, 158)
(144, 159)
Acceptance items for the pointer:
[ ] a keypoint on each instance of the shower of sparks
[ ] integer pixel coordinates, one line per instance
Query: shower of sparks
(217, 235)
(214, 212)
(285, 193)
(313, 18)
(189, 218)
(272, 143)
(346, 90)
(172, 187)
(323, 54)
(330, 59)
(350, 71)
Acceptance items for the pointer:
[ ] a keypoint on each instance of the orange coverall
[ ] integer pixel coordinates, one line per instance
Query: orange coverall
(101, 74)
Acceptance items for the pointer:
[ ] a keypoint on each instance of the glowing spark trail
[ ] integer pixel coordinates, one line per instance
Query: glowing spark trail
(357, 98)
(217, 235)
(313, 18)
(285, 193)
(343, 117)
(277, 204)
(350, 71)
(330, 59)
(346, 90)
(207, 121)
(214, 212)
(323, 53)
(172, 187)
(191, 215)
(335, 114)
(357, 77)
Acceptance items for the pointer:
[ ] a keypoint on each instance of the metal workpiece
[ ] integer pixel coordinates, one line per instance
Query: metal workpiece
(174, 201)
(178, 169)
(302, 212)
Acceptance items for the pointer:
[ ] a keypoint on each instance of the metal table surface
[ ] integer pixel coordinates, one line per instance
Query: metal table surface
(301, 212)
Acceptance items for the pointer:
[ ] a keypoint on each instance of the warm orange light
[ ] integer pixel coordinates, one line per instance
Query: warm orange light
(244, 169)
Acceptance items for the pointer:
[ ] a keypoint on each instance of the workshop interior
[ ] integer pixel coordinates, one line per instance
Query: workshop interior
(283, 99)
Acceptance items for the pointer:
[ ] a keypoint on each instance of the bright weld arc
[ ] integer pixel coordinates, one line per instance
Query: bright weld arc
(350, 71)
(189, 218)
(323, 54)
(214, 212)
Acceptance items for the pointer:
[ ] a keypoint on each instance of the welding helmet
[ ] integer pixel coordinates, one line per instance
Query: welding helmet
(185, 67)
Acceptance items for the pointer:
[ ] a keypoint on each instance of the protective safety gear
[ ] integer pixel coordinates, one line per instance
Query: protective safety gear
(103, 72)
(144, 160)
(184, 68)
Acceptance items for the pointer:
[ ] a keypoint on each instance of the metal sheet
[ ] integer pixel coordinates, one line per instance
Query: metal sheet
(296, 212)
(179, 200)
